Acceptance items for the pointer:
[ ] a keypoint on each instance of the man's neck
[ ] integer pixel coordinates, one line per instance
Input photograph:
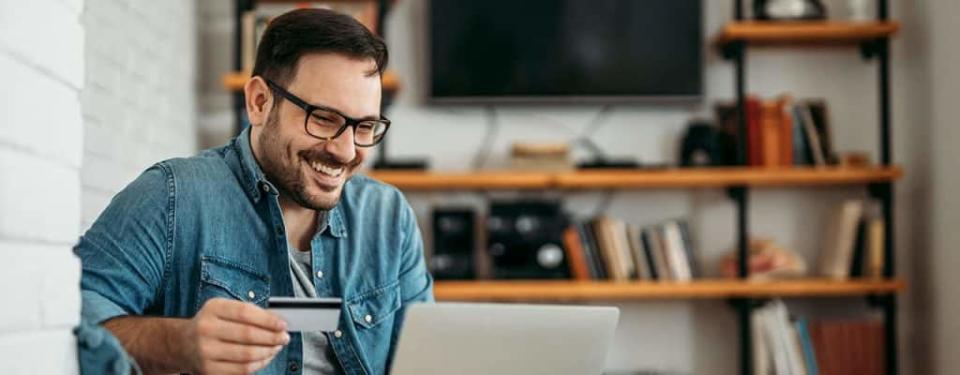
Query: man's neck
(300, 223)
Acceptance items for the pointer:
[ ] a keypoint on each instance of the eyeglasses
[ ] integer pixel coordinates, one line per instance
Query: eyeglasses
(327, 123)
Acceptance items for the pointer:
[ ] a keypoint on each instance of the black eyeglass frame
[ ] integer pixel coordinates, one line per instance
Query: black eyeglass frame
(348, 121)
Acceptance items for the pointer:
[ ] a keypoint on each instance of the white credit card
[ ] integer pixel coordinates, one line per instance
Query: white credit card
(307, 314)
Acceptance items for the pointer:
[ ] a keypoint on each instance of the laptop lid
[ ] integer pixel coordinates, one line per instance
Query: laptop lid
(467, 339)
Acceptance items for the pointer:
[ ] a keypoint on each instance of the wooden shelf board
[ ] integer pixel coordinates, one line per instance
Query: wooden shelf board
(636, 179)
(819, 32)
(234, 81)
(565, 290)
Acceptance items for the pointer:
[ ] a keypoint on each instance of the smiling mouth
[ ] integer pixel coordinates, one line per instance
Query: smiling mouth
(326, 170)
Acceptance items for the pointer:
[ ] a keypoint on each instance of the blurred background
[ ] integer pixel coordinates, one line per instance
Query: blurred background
(550, 141)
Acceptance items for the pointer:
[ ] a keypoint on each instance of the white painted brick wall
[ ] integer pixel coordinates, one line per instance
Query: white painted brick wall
(41, 138)
(101, 90)
(139, 101)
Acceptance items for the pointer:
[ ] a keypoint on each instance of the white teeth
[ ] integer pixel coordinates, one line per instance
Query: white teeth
(333, 172)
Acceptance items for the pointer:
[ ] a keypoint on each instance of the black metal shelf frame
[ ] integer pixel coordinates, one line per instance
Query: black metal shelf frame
(878, 49)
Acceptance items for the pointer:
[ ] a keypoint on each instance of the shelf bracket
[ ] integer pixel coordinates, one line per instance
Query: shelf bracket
(737, 192)
(730, 50)
(877, 301)
(872, 48)
(880, 190)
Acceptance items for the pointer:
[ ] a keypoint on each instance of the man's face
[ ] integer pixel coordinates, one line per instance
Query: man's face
(307, 170)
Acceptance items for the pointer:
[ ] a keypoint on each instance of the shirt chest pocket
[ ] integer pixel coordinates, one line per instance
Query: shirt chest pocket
(375, 310)
(226, 279)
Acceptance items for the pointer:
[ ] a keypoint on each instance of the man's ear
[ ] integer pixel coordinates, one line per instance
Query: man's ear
(258, 99)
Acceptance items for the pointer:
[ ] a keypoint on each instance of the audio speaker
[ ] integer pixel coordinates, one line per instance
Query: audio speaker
(454, 239)
(524, 240)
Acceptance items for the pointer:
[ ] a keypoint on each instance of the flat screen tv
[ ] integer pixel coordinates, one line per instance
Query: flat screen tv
(492, 51)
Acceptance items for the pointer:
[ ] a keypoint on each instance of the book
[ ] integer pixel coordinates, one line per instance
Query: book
(821, 123)
(785, 127)
(655, 234)
(638, 253)
(859, 246)
(754, 140)
(778, 343)
(848, 346)
(809, 356)
(576, 258)
(761, 353)
(694, 265)
(593, 257)
(837, 252)
(622, 247)
(770, 134)
(602, 228)
(801, 148)
(876, 240)
(812, 136)
(646, 238)
(676, 255)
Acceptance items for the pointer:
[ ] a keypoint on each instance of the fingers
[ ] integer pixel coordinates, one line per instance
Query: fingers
(242, 312)
(241, 333)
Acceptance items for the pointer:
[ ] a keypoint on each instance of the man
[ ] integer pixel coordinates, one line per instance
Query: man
(180, 264)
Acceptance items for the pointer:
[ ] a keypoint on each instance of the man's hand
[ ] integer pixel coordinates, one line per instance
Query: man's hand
(233, 337)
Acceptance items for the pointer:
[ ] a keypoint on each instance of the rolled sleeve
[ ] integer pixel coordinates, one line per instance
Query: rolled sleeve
(124, 253)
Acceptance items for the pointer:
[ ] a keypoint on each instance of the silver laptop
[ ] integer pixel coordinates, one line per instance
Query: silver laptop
(467, 339)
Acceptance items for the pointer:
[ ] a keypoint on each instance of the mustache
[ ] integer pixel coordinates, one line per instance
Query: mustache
(328, 159)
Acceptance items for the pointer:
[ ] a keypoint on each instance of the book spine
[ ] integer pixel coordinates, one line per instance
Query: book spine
(754, 142)
(810, 357)
(646, 237)
(876, 237)
(770, 134)
(572, 247)
(785, 128)
(590, 247)
(676, 255)
(685, 235)
(801, 149)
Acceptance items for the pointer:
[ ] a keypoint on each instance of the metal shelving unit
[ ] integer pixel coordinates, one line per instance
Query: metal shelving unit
(873, 38)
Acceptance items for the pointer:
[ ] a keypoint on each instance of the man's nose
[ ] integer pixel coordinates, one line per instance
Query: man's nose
(342, 148)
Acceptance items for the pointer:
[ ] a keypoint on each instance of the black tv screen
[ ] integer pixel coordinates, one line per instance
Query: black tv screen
(564, 50)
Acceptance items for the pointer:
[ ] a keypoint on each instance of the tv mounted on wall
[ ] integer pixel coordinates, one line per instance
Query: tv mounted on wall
(497, 51)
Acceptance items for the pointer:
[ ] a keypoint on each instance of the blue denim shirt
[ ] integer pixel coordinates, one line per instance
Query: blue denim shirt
(191, 229)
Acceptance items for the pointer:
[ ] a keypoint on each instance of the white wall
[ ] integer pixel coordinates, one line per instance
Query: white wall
(41, 137)
(944, 203)
(139, 105)
(93, 93)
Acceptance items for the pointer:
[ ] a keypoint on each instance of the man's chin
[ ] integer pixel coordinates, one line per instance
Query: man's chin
(322, 200)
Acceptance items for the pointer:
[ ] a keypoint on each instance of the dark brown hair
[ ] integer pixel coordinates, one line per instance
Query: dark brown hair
(303, 31)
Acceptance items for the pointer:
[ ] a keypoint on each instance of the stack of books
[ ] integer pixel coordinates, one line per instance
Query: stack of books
(855, 241)
(782, 132)
(609, 249)
(793, 346)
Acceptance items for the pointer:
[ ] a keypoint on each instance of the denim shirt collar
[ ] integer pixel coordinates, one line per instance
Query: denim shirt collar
(255, 183)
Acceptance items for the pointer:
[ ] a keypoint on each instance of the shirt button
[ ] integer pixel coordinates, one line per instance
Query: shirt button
(368, 318)
(293, 366)
(319, 274)
(265, 187)
(338, 334)
(251, 294)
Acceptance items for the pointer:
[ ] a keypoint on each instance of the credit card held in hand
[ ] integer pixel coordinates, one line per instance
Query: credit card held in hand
(307, 314)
